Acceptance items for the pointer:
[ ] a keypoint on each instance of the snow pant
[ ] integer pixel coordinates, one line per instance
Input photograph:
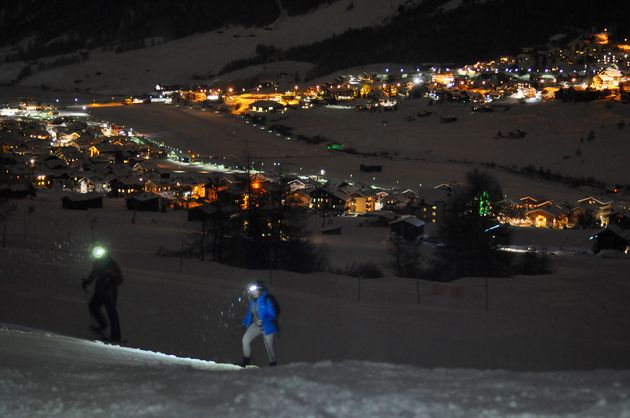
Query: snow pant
(106, 296)
(252, 332)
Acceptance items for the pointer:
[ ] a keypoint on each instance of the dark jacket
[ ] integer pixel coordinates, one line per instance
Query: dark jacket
(267, 313)
(106, 273)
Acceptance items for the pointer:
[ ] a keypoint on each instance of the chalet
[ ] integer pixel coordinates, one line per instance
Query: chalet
(622, 205)
(102, 148)
(42, 178)
(343, 94)
(430, 206)
(76, 201)
(429, 212)
(408, 227)
(445, 186)
(266, 106)
(359, 203)
(612, 238)
(148, 166)
(297, 198)
(70, 155)
(547, 216)
(328, 200)
(163, 187)
(530, 202)
(62, 179)
(86, 185)
(54, 162)
(607, 79)
(347, 188)
(20, 173)
(411, 195)
(119, 170)
(146, 201)
(124, 187)
(9, 141)
(599, 209)
(67, 137)
(36, 132)
(296, 184)
(620, 219)
(201, 213)
(396, 202)
(216, 210)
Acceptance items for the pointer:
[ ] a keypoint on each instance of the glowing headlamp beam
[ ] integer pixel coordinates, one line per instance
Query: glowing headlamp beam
(99, 252)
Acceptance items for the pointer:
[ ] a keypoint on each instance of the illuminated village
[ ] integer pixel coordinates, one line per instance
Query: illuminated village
(584, 69)
(344, 208)
(47, 148)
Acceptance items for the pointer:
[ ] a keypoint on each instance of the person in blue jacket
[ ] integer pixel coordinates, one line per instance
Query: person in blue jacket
(261, 319)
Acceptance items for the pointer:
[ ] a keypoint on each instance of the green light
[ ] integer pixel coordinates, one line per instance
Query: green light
(98, 252)
(484, 204)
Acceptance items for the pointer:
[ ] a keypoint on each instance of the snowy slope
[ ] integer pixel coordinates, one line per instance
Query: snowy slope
(46, 375)
(573, 319)
(177, 61)
(553, 135)
(430, 152)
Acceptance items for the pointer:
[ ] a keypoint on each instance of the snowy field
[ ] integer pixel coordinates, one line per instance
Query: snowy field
(229, 137)
(553, 135)
(47, 375)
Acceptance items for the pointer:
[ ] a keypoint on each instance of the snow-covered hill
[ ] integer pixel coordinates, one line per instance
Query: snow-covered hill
(573, 319)
(47, 375)
(177, 61)
(424, 148)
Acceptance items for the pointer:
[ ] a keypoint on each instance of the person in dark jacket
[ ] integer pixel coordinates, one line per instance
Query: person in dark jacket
(261, 319)
(107, 275)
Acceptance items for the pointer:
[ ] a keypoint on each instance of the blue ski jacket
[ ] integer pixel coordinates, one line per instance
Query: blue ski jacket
(267, 313)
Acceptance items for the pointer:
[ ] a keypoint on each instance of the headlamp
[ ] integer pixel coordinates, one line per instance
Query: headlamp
(99, 252)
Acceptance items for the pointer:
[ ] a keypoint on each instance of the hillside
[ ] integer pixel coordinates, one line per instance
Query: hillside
(197, 56)
(460, 32)
(56, 26)
(130, 52)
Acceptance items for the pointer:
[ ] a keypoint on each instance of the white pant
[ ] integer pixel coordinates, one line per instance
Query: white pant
(252, 332)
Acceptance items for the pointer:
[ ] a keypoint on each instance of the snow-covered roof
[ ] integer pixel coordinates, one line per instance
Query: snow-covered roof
(411, 220)
(144, 196)
(78, 197)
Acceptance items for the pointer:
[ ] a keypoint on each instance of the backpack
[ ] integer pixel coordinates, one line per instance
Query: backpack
(114, 273)
(275, 304)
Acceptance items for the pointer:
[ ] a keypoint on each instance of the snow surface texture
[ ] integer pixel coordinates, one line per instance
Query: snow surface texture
(47, 375)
